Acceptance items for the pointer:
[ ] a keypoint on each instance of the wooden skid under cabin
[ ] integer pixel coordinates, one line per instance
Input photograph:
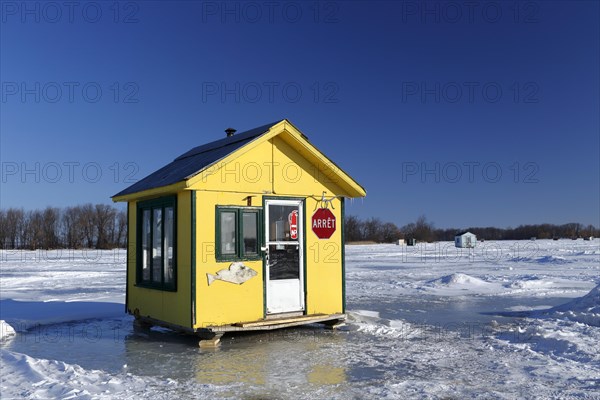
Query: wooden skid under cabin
(244, 233)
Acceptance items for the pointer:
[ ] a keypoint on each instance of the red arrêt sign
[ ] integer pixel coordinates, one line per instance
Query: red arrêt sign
(323, 223)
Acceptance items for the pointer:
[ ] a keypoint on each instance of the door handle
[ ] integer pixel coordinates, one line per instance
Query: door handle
(265, 251)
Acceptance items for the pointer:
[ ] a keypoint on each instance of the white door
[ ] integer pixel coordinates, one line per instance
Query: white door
(284, 252)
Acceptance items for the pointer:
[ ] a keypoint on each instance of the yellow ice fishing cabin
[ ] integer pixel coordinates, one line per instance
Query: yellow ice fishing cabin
(244, 233)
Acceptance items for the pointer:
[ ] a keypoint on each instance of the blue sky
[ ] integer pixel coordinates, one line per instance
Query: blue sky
(474, 114)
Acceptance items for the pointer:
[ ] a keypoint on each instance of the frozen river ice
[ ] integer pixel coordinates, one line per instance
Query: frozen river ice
(427, 321)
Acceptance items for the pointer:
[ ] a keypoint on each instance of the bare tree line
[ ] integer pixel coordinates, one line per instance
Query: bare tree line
(103, 226)
(375, 230)
(97, 226)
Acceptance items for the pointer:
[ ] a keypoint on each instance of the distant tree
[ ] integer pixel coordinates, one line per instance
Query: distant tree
(104, 221)
(390, 232)
(12, 227)
(373, 230)
(421, 230)
(72, 227)
(88, 225)
(121, 230)
(352, 229)
(3, 230)
(35, 229)
(50, 228)
(588, 231)
(408, 230)
(424, 230)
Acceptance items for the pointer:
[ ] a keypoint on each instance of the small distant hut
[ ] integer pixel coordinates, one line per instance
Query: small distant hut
(465, 239)
(411, 242)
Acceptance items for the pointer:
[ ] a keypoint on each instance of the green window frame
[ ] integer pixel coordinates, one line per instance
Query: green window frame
(238, 233)
(156, 244)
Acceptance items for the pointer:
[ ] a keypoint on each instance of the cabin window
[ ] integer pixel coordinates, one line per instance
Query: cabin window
(156, 244)
(228, 224)
(238, 233)
(250, 233)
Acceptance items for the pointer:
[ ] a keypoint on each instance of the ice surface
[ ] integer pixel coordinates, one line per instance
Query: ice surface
(504, 320)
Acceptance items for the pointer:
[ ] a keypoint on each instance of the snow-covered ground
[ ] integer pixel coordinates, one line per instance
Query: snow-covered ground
(505, 320)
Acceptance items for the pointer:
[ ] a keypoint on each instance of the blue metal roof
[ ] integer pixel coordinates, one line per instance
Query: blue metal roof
(195, 160)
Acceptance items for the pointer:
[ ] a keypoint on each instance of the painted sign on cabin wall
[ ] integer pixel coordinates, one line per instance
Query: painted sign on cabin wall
(237, 273)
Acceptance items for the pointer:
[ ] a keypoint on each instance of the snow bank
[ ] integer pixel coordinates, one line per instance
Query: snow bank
(531, 282)
(460, 284)
(562, 341)
(6, 330)
(458, 279)
(46, 379)
(548, 259)
(584, 309)
(589, 303)
(552, 260)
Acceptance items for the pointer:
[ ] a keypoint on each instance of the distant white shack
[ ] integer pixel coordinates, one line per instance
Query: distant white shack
(465, 239)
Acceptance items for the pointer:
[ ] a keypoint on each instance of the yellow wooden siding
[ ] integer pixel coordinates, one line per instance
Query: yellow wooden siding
(222, 302)
(248, 172)
(295, 175)
(323, 265)
(171, 307)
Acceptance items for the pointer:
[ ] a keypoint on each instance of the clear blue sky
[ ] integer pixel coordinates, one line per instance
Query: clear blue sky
(474, 115)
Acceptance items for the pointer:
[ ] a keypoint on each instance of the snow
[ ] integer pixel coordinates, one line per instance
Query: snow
(590, 303)
(459, 279)
(585, 310)
(503, 320)
(45, 379)
(6, 330)
(23, 315)
(370, 322)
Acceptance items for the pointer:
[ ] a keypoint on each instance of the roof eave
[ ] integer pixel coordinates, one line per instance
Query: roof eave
(168, 189)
